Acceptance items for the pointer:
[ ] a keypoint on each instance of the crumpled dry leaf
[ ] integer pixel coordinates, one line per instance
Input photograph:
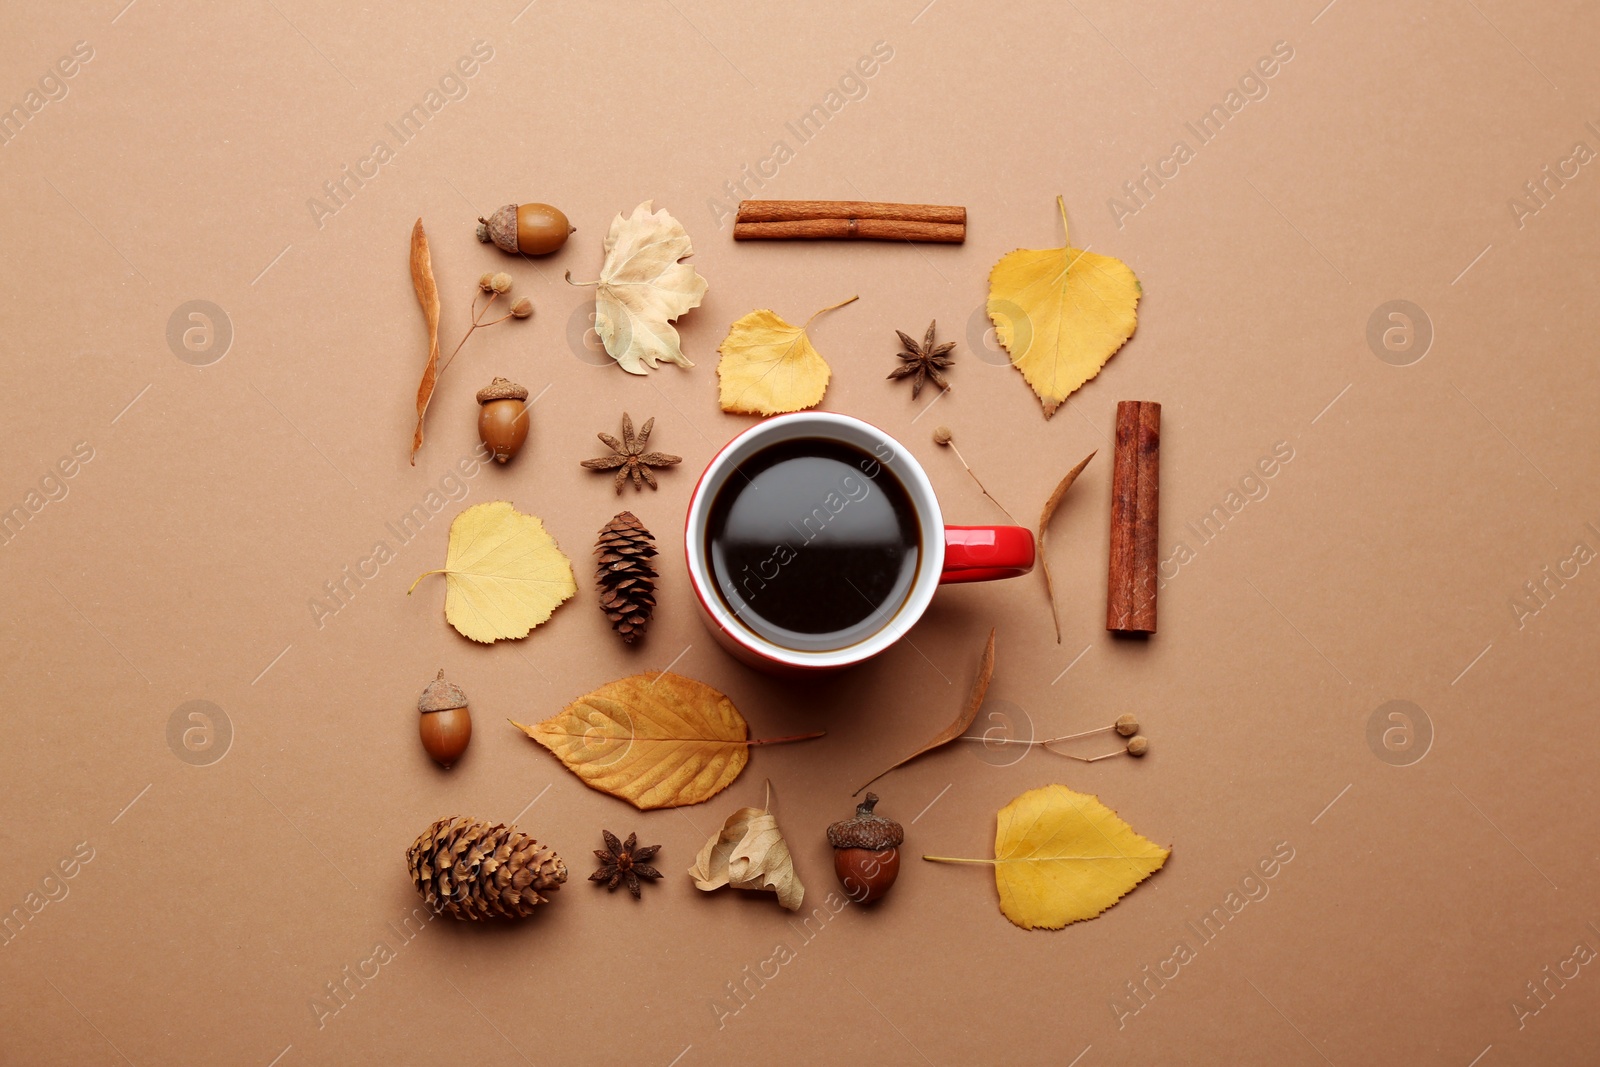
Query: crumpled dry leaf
(656, 740)
(1061, 314)
(428, 296)
(643, 287)
(504, 574)
(749, 853)
(769, 367)
(980, 688)
(1044, 523)
(1061, 857)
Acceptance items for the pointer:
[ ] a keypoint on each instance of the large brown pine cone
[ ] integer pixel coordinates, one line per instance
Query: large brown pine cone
(469, 869)
(625, 578)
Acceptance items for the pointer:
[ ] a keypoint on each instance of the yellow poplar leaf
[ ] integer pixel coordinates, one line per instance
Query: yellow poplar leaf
(503, 573)
(769, 367)
(749, 853)
(1061, 314)
(643, 287)
(1061, 857)
(657, 740)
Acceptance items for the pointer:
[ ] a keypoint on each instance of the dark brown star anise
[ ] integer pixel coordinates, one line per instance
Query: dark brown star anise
(923, 362)
(629, 457)
(623, 863)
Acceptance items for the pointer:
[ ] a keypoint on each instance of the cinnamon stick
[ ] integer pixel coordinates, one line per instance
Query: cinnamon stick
(849, 219)
(1135, 526)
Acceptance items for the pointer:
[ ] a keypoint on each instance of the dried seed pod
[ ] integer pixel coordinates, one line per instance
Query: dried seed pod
(1138, 745)
(866, 854)
(503, 417)
(446, 723)
(531, 229)
(1127, 725)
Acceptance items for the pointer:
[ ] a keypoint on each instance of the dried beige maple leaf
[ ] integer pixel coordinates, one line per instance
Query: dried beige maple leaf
(749, 852)
(643, 287)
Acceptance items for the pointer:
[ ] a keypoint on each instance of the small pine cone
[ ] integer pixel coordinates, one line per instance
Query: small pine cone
(469, 869)
(626, 581)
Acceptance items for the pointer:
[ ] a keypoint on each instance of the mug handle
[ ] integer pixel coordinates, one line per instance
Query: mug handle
(985, 553)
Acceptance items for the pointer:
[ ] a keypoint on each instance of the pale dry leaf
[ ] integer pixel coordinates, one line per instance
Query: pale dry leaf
(749, 853)
(1044, 523)
(643, 287)
(503, 572)
(1061, 857)
(969, 712)
(770, 367)
(428, 297)
(1061, 314)
(656, 740)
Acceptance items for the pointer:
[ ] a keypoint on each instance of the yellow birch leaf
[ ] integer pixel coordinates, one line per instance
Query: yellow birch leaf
(503, 573)
(1061, 314)
(643, 287)
(749, 853)
(769, 367)
(656, 740)
(1061, 857)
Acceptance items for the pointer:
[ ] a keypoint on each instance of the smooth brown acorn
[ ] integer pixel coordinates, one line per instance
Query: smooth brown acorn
(503, 417)
(531, 229)
(446, 724)
(866, 852)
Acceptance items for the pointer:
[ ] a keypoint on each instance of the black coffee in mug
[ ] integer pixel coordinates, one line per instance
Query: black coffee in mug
(813, 544)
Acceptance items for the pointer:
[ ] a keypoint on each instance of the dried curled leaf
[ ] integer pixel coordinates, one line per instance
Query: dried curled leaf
(643, 287)
(1061, 313)
(769, 367)
(980, 688)
(1061, 857)
(503, 573)
(749, 853)
(1044, 524)
(427, 296)
(656, 740)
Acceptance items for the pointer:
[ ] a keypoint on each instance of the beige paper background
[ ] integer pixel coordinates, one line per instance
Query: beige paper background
(1380, 565)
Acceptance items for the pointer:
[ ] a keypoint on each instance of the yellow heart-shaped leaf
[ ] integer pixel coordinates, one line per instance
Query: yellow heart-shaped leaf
(1061, 314)
(1061, 857)
(769, 367)
(503, 572)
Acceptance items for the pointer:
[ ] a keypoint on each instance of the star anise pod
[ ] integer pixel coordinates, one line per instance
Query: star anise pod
(623, 863)
(923, 362)
(629, 457)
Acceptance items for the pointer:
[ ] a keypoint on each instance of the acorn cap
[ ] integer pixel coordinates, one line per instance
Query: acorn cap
(501, 228)
(441, 696)
(501, 389)
(866, 830)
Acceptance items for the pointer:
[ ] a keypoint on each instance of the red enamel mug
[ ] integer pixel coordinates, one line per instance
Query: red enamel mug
(946, 554)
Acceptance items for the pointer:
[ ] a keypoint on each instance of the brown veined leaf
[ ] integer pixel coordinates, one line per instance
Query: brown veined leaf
(656, 740)
(427, 296)
(980, 688)
(1061, 314)
(749, 852)
(642, 288)
(769, 367)
(504, 574)
(1044, 522)
(1061, 857)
